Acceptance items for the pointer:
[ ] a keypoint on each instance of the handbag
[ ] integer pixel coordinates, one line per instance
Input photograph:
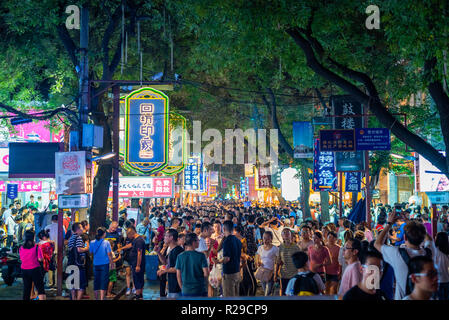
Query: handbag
(263, 274)
(41, 263)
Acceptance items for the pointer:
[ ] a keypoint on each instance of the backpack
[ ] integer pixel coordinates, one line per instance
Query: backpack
(305, 285)
(406, 258)
(74, 258)
(251, 240)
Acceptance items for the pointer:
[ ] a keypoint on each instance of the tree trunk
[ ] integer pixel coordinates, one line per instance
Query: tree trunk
(278, 194)
(324, 198)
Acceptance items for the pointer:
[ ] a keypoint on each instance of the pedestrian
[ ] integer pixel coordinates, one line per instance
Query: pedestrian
(333, 270)
(399, 256)
(191, 269)
(266, 256)
(352, 274)
(137, 260)
(31, 256)
(441, 259)
(11, 227)
(77, 256)
(285, 267)
(319, 255)
(144, 229)
(365, 290)
(232, 251)
(102, 262)
(169, 262)
(306, 238)
(48, 248)
(305, 282)
(424, 278)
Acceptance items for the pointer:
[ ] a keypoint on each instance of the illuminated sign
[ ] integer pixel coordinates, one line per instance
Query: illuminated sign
(290, 184)
(353, 181)
(324, 175)
(430, 178)
(145, 187)
(192, 174)
(176, 148)
(146, 131)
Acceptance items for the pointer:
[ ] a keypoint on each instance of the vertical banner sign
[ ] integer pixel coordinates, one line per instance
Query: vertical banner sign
(324, 174)
(249, 170)
(353, 181)
(176, 146)
(346, 107)
(213, 178)
(243, 188)
(12, 190)
(146, 131)
(192, 175)
(70, 172)
(303, 140)
(263, 179)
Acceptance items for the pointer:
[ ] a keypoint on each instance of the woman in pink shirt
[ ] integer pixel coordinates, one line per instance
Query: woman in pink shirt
(319, 255)
(332, 270)
(31, 256)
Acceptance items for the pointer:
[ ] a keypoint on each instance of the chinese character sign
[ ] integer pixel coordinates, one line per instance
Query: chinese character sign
(243, 188)
(146, 130)
(337, 140)
(145, 187)
(263, 177)
(23, 186)
(347, 109)
(373, 139)
(70, 172)
(353, 181)
(192, 174)
(324, 175)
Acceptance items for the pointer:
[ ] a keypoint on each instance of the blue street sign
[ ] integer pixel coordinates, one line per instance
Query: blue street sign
(372, 139)
(12, 190)
(324, 175)
(353, 181)
(337, 140)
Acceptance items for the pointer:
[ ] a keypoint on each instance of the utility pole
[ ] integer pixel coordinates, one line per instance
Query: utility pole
(84, 71)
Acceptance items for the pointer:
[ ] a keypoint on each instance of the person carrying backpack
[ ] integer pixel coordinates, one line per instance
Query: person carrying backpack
(305, 282)
(77, 256)
(399, 256)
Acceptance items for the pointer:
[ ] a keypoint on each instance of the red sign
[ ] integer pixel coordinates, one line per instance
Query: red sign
(24, 186)
(264, 177)
(147, 187)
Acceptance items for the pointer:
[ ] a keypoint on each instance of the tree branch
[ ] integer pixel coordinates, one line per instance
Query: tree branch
(106, 40)
(372, 101)
(42, 115)
(68, 43)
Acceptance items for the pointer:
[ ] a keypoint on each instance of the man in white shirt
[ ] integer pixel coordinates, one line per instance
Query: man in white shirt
(11, 226)
(206, 232)
(414, 235)
(53, 230)
(7, 213)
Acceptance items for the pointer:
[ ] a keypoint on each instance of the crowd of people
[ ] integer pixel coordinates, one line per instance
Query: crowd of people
(231, 249)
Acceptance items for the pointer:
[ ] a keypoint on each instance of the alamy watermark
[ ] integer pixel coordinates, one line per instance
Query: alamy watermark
(373, 20)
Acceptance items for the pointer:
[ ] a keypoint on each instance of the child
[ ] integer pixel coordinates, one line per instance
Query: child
(305, 283)
(116, 257)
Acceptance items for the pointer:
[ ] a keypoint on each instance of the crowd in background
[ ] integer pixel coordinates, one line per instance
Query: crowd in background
(229, 249)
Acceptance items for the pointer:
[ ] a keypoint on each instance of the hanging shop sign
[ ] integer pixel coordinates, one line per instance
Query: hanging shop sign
(177, 155)
(372, 139)
(145, 187)
(337, 140)
(303, 139)
(76, 201)
(70, 172)
(348, 113)
(12, 191)
(290, 184)
(192, 174)
(353, 181)
(249, 170)
(213, 178)
(23, 186)
(243, 187)
(146, 131)
(324, 174)
(263, 177)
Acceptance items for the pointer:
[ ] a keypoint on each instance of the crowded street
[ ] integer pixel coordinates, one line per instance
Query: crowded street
(224, 158)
